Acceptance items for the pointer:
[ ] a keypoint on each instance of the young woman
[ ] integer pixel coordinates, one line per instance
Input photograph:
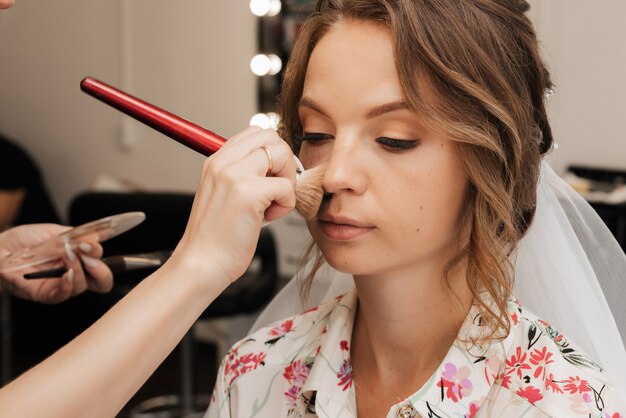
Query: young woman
(430, 116)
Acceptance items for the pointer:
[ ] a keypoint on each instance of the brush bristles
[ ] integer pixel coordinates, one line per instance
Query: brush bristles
(309, 191)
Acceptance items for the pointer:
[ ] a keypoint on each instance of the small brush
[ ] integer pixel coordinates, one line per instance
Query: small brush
(116, 263)
(309, 191)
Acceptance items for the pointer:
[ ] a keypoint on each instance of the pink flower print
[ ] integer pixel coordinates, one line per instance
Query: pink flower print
(517, 363)
(345, 375)
(492, 370)
(473, 409)
(494, 364)
(237, 366)
(292, 396)
(540, 358)
(515, 318)
(576, 385)
(282, 329)
(530, 393)
(581, 403)
(456, 382)
(343, 345)
(552, 384)
(296, 374)
(615, 415)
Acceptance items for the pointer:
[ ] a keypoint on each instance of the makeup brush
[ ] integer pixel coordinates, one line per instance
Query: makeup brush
(309, 191)
(116, 263)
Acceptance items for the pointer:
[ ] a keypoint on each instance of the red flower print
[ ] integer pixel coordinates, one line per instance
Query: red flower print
(517, 363)
(310, 310)
(492, 370)
(296, 374)
(503, 380)
(544, 323)
(473, 409)
(552, 384)
(282, 329)
(576, 385)
(343, 345)
(615, 415)
(530, 393)
(540, 358)
(237, 366)
(345, 375)
(456, 382)
(515, 318)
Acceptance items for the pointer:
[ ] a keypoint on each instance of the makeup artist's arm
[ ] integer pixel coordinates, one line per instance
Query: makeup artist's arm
(85, 271)
(98, 372)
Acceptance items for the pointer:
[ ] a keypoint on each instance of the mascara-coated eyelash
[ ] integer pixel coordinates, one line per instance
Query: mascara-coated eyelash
(398, 144)
(313, 137)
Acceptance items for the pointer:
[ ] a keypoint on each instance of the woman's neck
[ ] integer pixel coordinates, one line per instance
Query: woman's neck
(407, 320)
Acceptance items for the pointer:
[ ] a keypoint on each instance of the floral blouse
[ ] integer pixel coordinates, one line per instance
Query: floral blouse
(300, 367)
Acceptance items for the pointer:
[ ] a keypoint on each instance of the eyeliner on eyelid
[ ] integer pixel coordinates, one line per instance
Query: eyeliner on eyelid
(313, 137)
(400, 144)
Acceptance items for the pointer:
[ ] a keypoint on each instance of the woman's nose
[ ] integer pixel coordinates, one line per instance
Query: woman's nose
(344, 171)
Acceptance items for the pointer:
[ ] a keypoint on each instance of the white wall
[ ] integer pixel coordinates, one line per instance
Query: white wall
(584, 45)
(191, 59)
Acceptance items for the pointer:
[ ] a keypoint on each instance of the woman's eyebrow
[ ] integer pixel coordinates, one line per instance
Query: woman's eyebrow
(386, 108)
(306, 102)
(372, 113)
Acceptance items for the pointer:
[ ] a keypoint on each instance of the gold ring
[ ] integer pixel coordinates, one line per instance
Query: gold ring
(269, 158)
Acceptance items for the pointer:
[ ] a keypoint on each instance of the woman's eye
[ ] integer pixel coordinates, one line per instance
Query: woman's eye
(313, 137)
(398, 144)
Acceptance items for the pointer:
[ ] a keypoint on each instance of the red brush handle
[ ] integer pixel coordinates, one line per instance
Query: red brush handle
(187, 133)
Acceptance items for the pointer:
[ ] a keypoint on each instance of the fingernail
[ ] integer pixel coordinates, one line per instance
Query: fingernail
(90, 261)
(70, 254)
(70, 275)
(84, 247)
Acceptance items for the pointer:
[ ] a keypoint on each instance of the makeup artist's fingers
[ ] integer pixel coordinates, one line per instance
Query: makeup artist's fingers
(232, 201)
(72, 261)
(251, 143)
(55, 290)
(280, 192)
(99, 276)
(249, 130)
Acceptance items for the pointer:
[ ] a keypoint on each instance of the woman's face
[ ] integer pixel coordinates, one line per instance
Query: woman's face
(395, 188)
(5, 4)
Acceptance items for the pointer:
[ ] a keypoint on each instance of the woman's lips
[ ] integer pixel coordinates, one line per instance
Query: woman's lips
(340, 231)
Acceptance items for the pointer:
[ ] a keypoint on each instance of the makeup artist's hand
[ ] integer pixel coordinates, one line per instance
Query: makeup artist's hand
(90, 274)
(234, 198)
(5, 4)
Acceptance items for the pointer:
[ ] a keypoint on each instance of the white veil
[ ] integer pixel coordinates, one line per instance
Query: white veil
(569, 270)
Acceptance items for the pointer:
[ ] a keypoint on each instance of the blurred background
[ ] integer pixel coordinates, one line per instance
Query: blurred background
(219, 64)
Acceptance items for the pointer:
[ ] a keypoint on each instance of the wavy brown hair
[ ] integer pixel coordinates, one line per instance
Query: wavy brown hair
(480, 61)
